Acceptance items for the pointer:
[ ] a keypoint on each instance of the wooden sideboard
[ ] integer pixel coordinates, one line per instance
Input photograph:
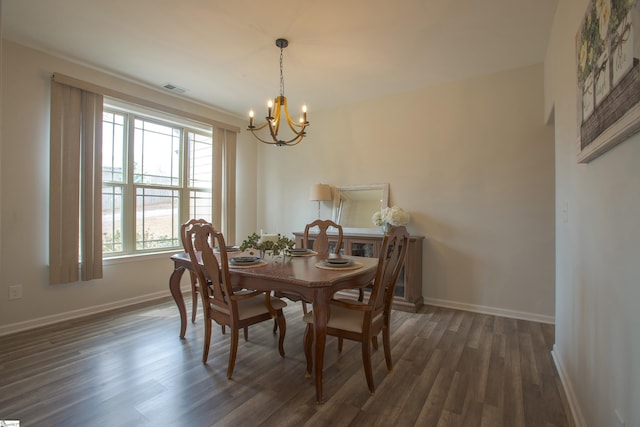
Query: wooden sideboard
(408, 291)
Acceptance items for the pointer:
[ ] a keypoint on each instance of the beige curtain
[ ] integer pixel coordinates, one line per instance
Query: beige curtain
(224, 172)
(75, 185)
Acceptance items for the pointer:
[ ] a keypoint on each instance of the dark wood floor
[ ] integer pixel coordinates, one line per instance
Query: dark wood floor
(129, 368)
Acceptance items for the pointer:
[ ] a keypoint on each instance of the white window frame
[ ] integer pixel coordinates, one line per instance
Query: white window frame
(133, 112)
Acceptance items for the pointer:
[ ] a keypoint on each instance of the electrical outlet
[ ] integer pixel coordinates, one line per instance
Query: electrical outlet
(15, 292)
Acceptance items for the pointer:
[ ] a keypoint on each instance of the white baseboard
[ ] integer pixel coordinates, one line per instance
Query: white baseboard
(522, 315)
(86, 311)
(576, 413)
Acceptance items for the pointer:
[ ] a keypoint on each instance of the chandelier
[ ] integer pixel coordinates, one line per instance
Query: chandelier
(275, 115)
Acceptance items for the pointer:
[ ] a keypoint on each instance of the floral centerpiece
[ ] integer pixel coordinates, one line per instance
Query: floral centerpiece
(275, 244)
(390, 216)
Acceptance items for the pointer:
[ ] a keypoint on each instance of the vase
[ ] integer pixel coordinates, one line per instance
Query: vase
(385, 227)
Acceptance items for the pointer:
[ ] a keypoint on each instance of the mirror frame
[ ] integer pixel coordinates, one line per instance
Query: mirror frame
(384, 188)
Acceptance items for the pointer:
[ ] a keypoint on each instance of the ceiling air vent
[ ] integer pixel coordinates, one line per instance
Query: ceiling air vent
(173, 88)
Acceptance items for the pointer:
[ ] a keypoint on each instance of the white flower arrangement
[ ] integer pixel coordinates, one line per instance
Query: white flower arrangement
(393, 216)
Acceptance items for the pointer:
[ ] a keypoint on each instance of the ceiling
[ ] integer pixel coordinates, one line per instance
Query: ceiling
(223, 53)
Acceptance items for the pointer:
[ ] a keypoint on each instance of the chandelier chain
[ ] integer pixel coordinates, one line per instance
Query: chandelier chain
(281, 75)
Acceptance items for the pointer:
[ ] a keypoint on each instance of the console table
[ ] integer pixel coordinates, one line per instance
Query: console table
(408, 291)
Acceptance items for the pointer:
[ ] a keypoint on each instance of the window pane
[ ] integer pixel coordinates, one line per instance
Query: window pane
(157, 218)
(156, 154)
(111, 219)
(200, 205)
(112, 147)
(200, 160)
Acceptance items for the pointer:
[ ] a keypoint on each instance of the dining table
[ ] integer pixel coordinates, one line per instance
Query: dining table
(310, 277)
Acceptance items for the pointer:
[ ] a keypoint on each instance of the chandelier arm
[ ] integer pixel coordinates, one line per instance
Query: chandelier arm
(262, 140)
(293, 125)
(294, 141)
(262, 126)
(279, 107)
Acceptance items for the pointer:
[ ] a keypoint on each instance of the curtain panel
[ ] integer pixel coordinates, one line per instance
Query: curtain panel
(224, 195)
(75, 205)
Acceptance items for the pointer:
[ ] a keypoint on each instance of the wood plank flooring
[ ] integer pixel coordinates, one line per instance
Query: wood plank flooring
(129, 368)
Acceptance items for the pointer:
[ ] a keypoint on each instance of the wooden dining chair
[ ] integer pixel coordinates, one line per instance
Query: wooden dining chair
(220, 302)
(321, 240)
(195, 289)
(363, 321)
(321, 245)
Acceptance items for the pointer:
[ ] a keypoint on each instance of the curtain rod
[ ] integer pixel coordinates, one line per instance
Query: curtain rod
(80, 84)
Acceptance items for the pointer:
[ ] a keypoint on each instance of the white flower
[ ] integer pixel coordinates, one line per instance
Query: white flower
(393, 215)
(377, 218)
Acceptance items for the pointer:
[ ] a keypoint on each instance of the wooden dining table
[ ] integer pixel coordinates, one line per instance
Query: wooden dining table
(301, 275)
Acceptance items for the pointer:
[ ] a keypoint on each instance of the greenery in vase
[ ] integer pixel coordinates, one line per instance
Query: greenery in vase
(274, 245)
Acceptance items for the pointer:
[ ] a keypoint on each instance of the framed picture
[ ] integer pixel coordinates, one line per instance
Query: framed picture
(608, 70)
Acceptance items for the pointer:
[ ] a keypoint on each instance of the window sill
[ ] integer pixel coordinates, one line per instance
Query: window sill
(123, 259)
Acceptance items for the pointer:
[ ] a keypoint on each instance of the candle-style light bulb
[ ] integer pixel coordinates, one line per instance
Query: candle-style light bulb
(304, 113)
(250, 118)
(270, 106)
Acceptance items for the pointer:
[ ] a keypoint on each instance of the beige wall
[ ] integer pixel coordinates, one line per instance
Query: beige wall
(597, 318)
(471, 161)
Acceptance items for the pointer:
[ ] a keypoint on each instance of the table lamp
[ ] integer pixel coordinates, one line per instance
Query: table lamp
(320, 193)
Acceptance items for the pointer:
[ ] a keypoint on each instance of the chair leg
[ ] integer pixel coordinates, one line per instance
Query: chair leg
(366, 361)
(275, 325)
(374, 342)
(194, 301)
(282, 324)
(233, 351)
(207, 340)
(308, 340)
(194, 296)
(360, 294)
(304, 307)
(386, 343)
(246, 333)
(340, 342)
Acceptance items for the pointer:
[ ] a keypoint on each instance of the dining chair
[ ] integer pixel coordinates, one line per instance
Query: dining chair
(220, 302)
(321, 240)
(321, 245)
(195, 289)
(363, 321)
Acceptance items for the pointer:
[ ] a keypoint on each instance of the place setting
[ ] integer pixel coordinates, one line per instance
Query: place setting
(229, 249)
(246, 262)
(338, 263)
(303, 252)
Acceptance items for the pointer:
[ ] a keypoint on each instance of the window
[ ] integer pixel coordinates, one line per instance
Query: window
(157, 172)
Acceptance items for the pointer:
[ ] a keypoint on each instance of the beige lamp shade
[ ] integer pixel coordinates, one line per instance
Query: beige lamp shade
(320, 192)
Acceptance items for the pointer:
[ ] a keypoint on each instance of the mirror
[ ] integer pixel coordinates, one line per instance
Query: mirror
(354, 205)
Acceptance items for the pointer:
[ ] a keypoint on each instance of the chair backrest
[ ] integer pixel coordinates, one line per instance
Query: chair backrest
(321, 242)
(213, 274)
(390, 262)
(187, 226)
